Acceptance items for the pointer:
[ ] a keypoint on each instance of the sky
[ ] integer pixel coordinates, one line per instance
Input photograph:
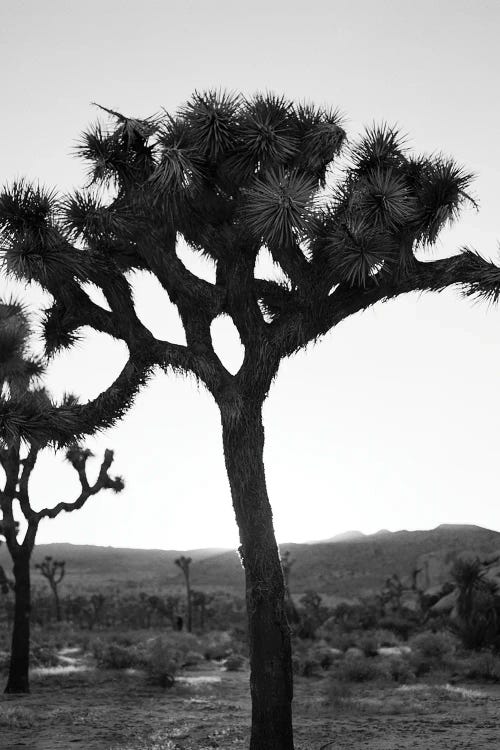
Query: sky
(391, 420)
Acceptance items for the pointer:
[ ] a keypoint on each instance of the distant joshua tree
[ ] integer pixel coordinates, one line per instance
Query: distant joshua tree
(230, 175)
(53, 571)
(183, 563)
(18, 370)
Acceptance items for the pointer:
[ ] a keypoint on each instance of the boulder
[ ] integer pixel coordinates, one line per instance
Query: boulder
(446, 603)
(393, 650)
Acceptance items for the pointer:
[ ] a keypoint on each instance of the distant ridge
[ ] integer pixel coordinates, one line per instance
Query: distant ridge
(344, 536)
(345, 567)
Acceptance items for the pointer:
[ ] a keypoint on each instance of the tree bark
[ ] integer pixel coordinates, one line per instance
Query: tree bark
(271, 682)
(18, 680)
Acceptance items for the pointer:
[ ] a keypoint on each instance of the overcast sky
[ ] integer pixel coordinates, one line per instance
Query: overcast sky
(390, 421)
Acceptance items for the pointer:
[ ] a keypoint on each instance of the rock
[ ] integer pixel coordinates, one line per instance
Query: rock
(393, 650)
(446, 603)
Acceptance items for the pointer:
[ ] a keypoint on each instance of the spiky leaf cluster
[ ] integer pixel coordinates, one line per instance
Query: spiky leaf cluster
(229, 174)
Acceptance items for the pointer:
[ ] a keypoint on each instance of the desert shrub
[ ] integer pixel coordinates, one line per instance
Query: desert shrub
(400, 669)
(341, 640)
(484, 666)
(437, 646)
(385, 638)
(401, 625)
(431, 651)
(234, 663)
(110, 655)
(162, 662)
(338, 693)
(360, 669)
(191, 658)
(43, 656)
(368, 645)
(306, 660)
(218, 645)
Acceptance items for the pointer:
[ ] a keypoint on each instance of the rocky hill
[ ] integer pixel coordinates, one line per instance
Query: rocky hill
(344, 568)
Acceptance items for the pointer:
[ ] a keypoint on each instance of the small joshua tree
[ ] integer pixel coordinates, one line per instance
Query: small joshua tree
(183, 563)
(18, 369)
(53, 571)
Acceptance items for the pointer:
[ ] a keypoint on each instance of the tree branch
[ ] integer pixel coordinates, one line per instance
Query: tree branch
(296, 327)
(104, 481)
(28, 465)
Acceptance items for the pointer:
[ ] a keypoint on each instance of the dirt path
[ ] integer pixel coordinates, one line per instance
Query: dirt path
(98, 710)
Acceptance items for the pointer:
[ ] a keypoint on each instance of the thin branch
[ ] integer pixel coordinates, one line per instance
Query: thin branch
(104, 481)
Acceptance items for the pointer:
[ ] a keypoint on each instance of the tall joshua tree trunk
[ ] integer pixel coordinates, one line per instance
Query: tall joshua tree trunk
(18, 681)
(269, 635)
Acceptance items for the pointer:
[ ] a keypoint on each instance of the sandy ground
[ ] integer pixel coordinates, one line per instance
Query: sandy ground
(99, 710)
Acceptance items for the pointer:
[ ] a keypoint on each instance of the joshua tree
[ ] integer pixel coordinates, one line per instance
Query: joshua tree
(478, 604)
(230, 175)
(183, 563)
(199, 601)
(17, 370)
(53, 571)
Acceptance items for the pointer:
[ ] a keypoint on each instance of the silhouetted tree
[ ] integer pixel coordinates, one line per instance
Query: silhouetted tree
(199, 602)
(230, 175)
(53, 571)
(17, 371)
(183, 563)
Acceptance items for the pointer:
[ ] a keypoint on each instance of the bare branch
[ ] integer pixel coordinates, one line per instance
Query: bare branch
(78, 458)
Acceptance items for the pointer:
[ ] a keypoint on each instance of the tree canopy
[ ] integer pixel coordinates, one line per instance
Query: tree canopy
(229, 174)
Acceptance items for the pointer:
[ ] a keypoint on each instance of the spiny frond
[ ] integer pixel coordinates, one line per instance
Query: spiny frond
(441, 192)
(211, 119)
(381, 146)
(265, 137)
(131, 129)
(57, 333)
(321, 137)
(18, 367)
(279, 206)
(484, 277)
(86, 215)
(356, 251)
(70, 399)
(178, 170)
(105, 154)
(27, 208)
(383, 200)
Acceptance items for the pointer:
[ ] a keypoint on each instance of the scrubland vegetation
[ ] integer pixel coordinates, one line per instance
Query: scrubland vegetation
(352, 662)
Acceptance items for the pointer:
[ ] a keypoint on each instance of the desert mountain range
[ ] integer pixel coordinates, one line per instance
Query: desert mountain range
(348, 566)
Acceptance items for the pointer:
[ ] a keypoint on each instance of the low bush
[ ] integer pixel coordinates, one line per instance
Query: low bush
(438, 646)
(234, 663)
(110, 655)
(484, 666)
(400, 669)
(360, 669)
(162, 662)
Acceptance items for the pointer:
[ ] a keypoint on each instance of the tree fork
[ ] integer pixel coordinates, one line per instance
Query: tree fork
(271, 681)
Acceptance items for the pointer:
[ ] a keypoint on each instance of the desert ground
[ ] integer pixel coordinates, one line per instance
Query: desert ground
(78, 705)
